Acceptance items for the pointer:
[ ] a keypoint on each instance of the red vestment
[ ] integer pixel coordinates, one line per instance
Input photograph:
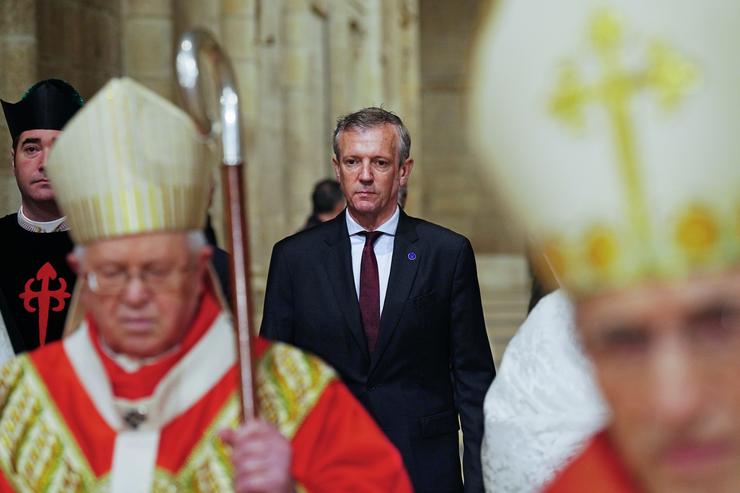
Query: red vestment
(72, 419)
(597, 468)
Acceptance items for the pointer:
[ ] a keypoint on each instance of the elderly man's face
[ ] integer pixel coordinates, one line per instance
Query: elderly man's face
(668, 361)
(142, 291)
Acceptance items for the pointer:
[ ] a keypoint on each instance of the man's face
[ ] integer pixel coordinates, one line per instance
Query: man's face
(667, 357)
(29, 164)
(144, 290)
(367, 168)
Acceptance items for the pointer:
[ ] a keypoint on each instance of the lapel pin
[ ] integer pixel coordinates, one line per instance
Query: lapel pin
(411, 256)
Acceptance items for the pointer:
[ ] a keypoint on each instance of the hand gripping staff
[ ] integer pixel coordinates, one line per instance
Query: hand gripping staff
(192, 47)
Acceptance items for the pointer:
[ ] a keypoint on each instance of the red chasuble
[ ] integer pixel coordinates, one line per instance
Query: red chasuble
(597, 468)
(71, 419)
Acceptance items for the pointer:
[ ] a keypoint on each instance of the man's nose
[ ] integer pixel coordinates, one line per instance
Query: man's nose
(44, 157)
(135, 292)
(677, 383)
(366, 172)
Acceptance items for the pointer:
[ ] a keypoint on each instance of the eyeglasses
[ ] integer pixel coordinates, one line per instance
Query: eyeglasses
(113, 282)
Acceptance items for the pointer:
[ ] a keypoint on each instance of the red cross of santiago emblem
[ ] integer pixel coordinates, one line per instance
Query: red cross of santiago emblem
(45, 275)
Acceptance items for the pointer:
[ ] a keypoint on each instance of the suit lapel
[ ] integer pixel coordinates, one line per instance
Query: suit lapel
(407, 253)
(338, 264)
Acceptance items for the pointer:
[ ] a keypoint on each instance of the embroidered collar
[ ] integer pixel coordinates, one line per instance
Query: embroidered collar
(54, 226)
(160, 397)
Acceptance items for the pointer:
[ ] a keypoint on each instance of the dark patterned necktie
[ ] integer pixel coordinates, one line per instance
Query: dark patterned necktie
(370, 290)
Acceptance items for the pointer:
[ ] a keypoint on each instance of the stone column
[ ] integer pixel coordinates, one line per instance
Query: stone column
(454, 190)
(148, 44)
(305, 78)
(240, 35)
(80, 42)
(18, 54)
(410, 97)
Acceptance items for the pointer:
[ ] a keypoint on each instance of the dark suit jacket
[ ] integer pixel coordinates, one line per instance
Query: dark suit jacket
(432, 361)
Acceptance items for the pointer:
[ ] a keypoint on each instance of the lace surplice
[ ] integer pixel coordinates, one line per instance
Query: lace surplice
(543, 405)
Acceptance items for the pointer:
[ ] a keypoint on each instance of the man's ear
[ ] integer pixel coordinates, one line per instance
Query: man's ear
(205, 255)
(12, 159)
(406, 168)
(74, 262)
(335, 165)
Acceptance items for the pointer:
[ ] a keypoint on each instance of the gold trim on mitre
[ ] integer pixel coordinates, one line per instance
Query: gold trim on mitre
(611, 133)
(130, 162)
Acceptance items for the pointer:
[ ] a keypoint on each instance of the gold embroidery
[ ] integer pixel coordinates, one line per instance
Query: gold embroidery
(697, 231)
(289, 384)
(208, 468)
(38, 452)
(601, 248)
(667, 72)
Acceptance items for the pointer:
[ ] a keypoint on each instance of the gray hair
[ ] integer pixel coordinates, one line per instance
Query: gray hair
(373, 117)
(195, 240)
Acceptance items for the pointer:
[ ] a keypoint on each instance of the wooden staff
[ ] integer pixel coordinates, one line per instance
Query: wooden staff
(192, 46)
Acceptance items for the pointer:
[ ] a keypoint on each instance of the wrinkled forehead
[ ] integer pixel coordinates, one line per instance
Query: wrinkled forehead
(651, 303)
(384, 134)
(139, 248)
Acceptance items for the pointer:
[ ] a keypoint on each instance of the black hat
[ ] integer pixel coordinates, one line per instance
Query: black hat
(48, 104)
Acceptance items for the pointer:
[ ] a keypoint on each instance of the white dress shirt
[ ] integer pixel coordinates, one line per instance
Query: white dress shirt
(383, 248)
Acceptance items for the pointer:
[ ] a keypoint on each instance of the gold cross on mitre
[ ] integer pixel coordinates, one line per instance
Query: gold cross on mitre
(667, 73)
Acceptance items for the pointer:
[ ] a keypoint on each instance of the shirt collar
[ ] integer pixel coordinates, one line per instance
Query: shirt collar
(389, 227)
(41, 226)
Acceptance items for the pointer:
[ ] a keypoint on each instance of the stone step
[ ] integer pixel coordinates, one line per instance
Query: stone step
(505, 288)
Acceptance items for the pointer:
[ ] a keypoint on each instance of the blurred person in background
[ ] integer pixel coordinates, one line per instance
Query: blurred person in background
(615, 145)
(143, 392)
(327, 202)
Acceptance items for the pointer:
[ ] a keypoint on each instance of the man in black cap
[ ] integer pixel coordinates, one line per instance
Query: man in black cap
(35, 280)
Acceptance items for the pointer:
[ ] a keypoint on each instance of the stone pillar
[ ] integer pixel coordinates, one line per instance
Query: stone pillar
(455, 194)
(148, 44)
(305, 77)
(79, 41)
(74, 40)
(402, 76)
(374, 53)
(239, 32)
(268, 168)
(18, 54)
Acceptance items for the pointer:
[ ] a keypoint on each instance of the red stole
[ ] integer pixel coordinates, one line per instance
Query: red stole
(597, 468)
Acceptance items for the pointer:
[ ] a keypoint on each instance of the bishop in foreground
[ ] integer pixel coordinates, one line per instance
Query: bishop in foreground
(142, 396)
(616, 143)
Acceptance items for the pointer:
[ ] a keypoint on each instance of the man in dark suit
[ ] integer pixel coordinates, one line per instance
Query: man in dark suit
(393, 303)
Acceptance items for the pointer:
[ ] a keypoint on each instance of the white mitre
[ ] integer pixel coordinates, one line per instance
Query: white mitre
(612, 128)
(130, 162)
